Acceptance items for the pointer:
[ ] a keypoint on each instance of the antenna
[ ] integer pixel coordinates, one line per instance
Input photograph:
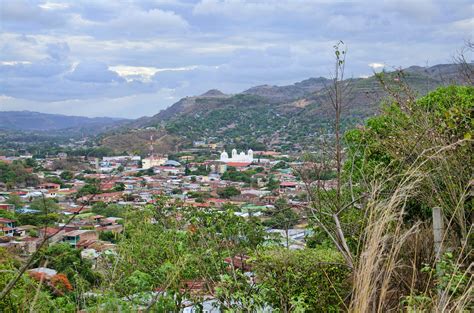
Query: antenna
(152, 149)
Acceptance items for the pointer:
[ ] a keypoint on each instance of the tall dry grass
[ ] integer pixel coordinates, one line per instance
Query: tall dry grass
(388, 276)
(383, 239)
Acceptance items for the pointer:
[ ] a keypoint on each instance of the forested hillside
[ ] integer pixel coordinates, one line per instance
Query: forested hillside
(290, 117)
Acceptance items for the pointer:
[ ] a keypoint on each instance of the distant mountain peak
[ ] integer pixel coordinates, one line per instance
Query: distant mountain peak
(213, 93)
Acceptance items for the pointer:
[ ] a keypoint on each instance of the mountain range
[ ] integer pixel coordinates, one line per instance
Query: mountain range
(289, 117)
(35, 121)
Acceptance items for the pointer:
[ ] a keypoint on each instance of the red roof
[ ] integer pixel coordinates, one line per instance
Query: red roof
(215, 200)
(238, 261)
(76, 210)
(50, 230)
(239, 164)
(288, 184)
(199, 205)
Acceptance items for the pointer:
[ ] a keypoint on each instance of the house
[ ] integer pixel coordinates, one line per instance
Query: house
(288, 186)
(7, 227)
(7, 207)
(239, 262)
(107, 197)
(54, 234)
(48, 273)
(49, 186)
(77, 237)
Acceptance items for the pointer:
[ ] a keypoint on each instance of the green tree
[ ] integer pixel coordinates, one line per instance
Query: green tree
(45, 205)
(228, 192)
(303, 280)
(65, 259)
(15, 200)
(282, 217)
(67, 175)
(119, 187)
(25, 295)
(273, 183)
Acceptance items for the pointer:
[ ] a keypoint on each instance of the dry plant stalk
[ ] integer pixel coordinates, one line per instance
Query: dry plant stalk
(383, 239)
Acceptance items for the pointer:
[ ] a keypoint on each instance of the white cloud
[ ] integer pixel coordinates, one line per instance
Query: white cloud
(144, 73)
(13, 63)
(376, 66)
(465, 25)
(54, 6)
(61, 54)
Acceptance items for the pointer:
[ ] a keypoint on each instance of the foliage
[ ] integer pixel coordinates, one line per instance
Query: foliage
(89, 189)
(109, 236)
(45, 205)
(16, 174)
(201, 170)
(273, 183)
(233, 174)
(282, 216)
(228, 192)
(25, 295)
(66, 259)
(316, 278)
(15, 200)
(280, 165)
(67, 175)
(448, 275)
(109, 210)
(394, 141)
(172, 251)
(119, 187)
(37, 219)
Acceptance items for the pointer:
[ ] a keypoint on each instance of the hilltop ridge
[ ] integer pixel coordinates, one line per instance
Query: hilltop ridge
(268, 115)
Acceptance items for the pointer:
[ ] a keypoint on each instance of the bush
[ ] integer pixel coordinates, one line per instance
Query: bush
(316, 280)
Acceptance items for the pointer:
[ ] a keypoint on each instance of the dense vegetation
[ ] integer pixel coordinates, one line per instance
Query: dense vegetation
(17, 174)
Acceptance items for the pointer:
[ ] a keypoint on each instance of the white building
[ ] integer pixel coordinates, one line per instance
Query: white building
(237, 158)
(153, 161)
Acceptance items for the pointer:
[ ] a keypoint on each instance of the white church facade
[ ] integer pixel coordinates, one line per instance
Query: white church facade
(241, 157)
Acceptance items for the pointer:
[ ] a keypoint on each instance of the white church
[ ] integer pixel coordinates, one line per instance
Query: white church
(237, 158)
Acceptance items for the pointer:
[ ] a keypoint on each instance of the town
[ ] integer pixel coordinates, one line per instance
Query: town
(81, 201)
(208, 156)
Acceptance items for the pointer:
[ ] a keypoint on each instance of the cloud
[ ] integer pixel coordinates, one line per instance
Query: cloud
(21, 15)
(143, 73)
(131, 58)
(376, 66)
(54, 6)
(93, 72)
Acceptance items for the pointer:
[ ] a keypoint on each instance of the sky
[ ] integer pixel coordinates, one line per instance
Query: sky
(124, 58)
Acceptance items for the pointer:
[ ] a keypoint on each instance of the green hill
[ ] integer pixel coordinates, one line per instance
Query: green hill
(270, 116)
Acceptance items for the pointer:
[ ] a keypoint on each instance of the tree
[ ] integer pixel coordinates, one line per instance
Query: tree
(15, 200)
(37, 219)
(67, 175)
(113, 210)
(25, 293)
(282, 217)
(273, 183)
(303, 280)
(89, 189)
(45, 205)
(228, 192)
(66, 259)
(326, 207)
(119, 187)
